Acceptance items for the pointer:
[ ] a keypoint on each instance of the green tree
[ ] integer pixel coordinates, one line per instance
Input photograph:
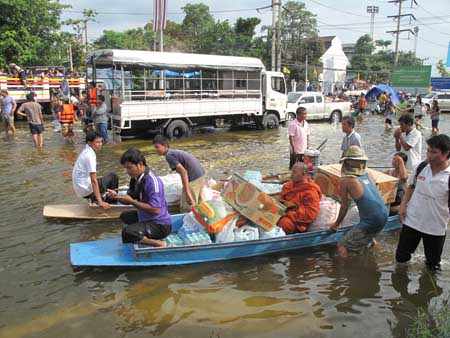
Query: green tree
(442, 69)
(29, 31)
(375, 66)
(299, 38)
(197, 23)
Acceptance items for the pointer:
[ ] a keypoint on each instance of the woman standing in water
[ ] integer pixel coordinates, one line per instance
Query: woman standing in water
(418, 112)
(435, 114)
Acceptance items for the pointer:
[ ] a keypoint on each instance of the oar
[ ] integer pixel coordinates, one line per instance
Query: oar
(322, 144)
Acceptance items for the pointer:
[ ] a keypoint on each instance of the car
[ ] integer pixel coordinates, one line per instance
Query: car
(317, 106)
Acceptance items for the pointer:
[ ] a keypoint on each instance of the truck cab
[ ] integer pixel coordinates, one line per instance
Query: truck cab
(274, 94)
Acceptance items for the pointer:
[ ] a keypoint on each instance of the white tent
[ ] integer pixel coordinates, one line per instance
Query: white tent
(334, 63)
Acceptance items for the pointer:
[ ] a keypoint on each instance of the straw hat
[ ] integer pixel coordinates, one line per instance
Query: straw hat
(354, 153)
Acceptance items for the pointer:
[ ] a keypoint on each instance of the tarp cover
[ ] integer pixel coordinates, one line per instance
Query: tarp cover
(173, 60)
(380, 89)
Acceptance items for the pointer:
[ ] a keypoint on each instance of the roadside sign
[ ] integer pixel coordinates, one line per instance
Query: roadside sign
(440, 83)
(411, 77)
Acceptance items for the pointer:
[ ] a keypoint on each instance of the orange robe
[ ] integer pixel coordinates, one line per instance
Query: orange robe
(306, 196)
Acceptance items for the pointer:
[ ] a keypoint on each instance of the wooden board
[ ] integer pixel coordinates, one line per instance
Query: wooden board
(84, 211)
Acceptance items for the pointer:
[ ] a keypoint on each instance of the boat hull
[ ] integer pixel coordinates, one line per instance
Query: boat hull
(111, 252)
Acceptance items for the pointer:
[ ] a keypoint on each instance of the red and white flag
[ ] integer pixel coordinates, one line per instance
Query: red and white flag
(160, 8)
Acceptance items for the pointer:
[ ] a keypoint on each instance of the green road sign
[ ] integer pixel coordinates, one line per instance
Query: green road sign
(412, 77)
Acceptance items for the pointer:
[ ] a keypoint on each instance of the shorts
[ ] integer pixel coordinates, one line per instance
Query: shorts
(36, 128)
(8, 120)
(434, 123)
(67, 129)
(388, 121)
(419, 117)
(22, 76)
(357, 238)
(135, 232)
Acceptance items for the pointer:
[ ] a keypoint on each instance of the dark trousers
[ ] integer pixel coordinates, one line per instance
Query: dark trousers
(294, 158)
(410, 239)
(134, 231)
(129, 217)
(110, 181)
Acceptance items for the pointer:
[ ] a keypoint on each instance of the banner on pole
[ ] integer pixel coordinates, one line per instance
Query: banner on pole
(160, 11)
(448, 55)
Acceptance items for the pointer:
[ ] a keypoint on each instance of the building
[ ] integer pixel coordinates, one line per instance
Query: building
(335, 64)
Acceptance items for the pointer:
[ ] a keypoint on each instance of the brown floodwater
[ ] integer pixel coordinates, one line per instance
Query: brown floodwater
(304, 293)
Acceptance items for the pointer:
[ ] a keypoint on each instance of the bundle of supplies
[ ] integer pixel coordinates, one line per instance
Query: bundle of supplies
(213, 215)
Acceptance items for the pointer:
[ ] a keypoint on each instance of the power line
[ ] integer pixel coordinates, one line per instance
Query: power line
(336, 9)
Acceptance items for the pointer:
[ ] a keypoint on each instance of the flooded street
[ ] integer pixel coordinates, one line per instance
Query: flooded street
(307, 293)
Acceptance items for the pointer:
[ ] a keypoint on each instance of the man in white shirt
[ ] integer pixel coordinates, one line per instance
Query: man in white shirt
(409, 140)
(299, 132)
(424, 211)
(84, 175)
(351, 138)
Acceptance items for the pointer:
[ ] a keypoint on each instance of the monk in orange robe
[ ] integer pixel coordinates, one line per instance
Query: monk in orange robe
(302, 197)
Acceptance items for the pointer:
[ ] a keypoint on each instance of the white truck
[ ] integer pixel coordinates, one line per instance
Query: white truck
(317, 106)
(171, 93)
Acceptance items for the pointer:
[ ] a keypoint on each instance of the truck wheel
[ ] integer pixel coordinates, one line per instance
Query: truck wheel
(177, 129)
(335, 117)
(271, 121)
(290, 116)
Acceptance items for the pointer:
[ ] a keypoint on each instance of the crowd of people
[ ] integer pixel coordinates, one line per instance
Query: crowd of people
(423, 195)
(66, 109)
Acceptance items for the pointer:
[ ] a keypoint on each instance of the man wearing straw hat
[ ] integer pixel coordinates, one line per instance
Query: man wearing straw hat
(355, 182)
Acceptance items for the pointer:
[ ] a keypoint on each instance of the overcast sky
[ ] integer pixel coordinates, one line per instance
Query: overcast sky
(346, 19)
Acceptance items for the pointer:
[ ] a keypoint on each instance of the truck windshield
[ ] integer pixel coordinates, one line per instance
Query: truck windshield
(293, 97)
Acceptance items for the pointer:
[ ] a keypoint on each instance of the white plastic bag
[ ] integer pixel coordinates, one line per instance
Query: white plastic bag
(246, 233)
(172, 188)
(227, 233)
(275, 232)
(328, 213)
(190, 225)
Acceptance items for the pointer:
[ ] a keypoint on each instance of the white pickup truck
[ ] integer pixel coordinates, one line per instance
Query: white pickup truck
(317, 106)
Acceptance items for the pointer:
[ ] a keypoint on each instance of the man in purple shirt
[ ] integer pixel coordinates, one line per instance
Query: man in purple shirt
(151, 222)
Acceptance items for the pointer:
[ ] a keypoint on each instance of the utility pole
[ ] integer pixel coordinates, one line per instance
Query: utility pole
(416, 37)
(85, 36)
(398, 31)
(306, 73)
(274, 47)
(70, 57)
(372, 10)
(398, 17)
(279, 37)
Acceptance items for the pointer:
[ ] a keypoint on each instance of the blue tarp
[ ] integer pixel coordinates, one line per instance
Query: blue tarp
(380, 89)
(176, 74)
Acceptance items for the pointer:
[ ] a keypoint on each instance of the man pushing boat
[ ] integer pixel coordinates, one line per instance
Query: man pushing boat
(373, 214)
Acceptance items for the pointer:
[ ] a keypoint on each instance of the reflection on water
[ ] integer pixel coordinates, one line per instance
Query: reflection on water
(308, 293)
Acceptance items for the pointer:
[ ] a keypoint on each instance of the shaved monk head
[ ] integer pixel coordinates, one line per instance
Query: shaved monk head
(299, 172)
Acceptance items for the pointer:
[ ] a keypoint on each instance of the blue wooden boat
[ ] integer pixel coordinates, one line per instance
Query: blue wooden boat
(112, 253)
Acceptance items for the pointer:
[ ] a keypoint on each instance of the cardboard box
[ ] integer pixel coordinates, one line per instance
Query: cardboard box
(328, 178)
(252, 203)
